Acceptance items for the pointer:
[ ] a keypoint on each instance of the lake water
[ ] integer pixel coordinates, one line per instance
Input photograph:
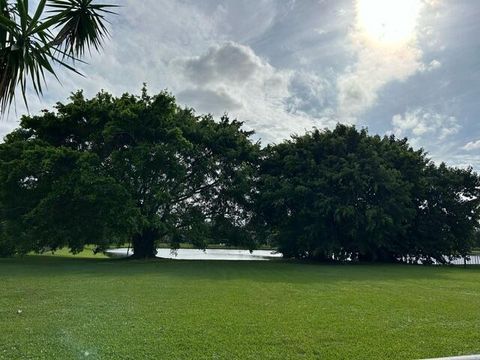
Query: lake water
(229, 254)
(473, 260)
(209, 254)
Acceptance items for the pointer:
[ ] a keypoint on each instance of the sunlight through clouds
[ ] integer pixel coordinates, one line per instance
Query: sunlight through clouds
(388, 22)
(384, 39)
(284, 67)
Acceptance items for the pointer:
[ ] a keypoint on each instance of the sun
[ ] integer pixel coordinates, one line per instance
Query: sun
(388, 22)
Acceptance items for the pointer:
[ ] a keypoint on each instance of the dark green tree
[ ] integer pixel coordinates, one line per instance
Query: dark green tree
(345, 194)
(476, 242)
(109, 170)
(447, 214)
(330, 194)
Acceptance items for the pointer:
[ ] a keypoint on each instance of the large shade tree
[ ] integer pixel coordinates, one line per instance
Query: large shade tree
(56, 32)
(330, 193)
(341, 193)
(134, 168)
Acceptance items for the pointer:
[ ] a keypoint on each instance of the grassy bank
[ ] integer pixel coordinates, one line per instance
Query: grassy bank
(96, 308)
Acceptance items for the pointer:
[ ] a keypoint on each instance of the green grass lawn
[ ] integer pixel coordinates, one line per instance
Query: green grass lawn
(97, 308)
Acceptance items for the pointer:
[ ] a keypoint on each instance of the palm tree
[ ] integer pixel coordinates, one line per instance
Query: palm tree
(57, 32)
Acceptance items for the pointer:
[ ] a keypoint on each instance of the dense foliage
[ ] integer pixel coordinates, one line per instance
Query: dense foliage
(477, 239)
(111, 170)
(343, 194)
(140, 169)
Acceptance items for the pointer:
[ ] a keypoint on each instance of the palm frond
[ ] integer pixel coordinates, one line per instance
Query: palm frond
(28, 49)
(26, 55)
(82, 25)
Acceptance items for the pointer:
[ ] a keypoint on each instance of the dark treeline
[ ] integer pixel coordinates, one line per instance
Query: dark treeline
(139, 169)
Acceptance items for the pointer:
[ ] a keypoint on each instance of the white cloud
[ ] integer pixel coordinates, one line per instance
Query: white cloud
(233, 74)
(464, 161)
(382, 56)
(435, 132)
(230, 77)
(358, 87)
(284, 66)
(310, 94)
(194, 53)
(139, 50)
(432, 65)
(421, 123)
(227, 63)
(472, 145)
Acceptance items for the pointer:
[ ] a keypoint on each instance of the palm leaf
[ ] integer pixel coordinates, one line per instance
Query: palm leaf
(28, 49)
(82, 25)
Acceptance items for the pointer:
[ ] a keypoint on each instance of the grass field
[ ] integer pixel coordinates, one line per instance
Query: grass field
(96, 308)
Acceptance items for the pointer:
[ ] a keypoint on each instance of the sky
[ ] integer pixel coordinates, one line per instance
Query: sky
(404, 67)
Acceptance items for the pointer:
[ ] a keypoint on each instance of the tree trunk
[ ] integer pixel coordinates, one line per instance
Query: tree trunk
(144, 244)
(378, 255)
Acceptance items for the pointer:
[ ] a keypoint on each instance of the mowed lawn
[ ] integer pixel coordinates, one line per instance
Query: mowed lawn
(77, 308)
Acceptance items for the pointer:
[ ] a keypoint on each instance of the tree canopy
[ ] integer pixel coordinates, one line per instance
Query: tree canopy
(343, 194)
(140, 169)
(114, 170)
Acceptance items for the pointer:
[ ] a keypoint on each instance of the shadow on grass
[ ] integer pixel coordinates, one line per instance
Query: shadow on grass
(284, 271)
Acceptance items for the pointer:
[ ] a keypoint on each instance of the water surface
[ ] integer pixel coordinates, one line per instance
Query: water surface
(230, 254)
(209, 254)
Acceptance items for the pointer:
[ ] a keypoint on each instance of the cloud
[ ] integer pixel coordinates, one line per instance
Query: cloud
(310, 94)
(472, 145)
(285, 66)
(437, 133)
(195, 56)
(464, 161)
(227, 63)
(433, 65)
(230, 77)
(421, 123)
(358, 87)
(433, 132)
(218, 101)
(382, 55)
(6, 127)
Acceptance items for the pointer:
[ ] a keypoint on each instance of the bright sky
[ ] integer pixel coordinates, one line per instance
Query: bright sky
(408, 67)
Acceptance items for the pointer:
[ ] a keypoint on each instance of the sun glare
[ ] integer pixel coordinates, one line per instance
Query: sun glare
(389, 22)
